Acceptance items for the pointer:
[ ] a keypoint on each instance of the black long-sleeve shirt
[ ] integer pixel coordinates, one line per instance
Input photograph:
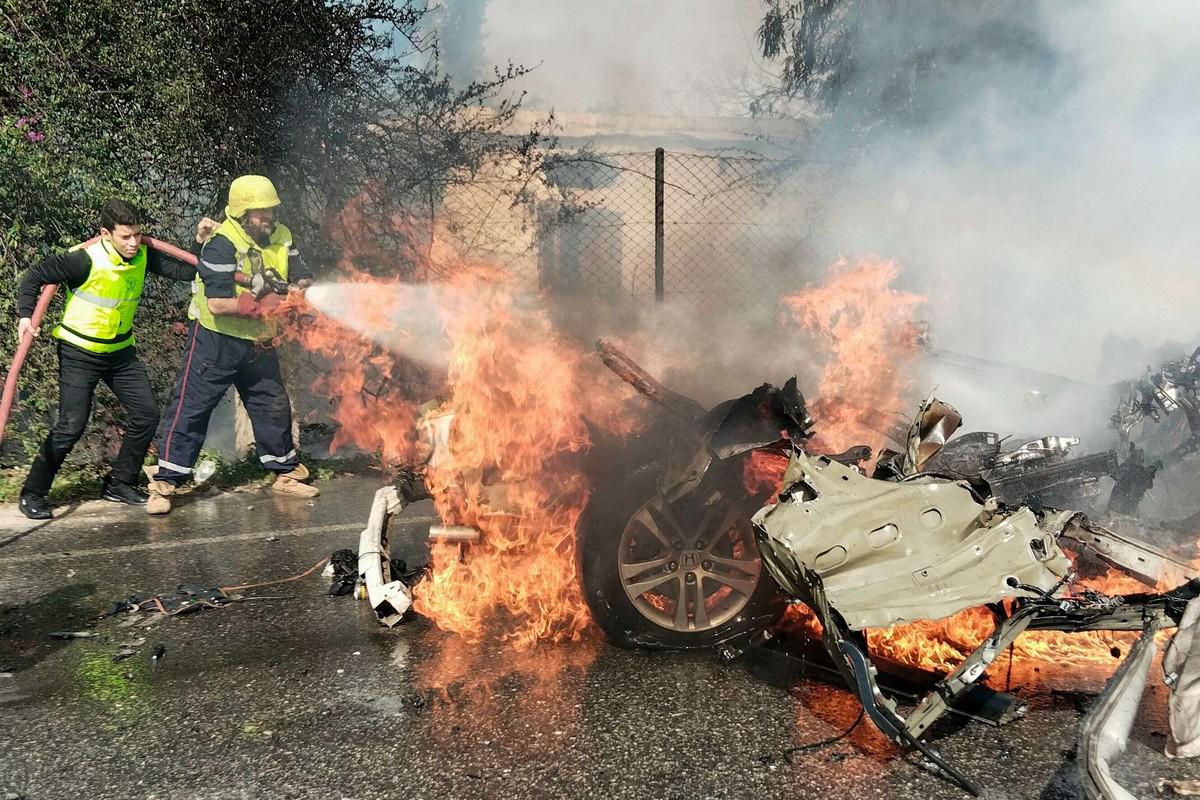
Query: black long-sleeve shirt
(72, 270)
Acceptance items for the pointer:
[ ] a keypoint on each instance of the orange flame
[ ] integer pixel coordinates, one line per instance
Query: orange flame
(941, 645)
(522, 396)
(370, 388)
(870, 332)
(762, 472)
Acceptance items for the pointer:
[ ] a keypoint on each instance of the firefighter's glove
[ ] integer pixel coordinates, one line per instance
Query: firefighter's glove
(269, 303)
(249, 306)
(259, 285)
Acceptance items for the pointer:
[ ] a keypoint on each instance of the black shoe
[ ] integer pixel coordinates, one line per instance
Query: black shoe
(117, 492)
(35, 507)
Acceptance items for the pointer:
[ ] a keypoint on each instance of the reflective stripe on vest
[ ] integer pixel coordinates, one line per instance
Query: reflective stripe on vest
(98, 316)
(273, 256)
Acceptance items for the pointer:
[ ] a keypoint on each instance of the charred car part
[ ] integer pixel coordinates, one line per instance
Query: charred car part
(1041, 473)
(1175, 387)
(1134, 478)
(667, 552)
(389, 597)
(920, 549)
(956, 524)
(1147, 563)
(389, 594)
(862, 552)
(935, 423)
(1181, 671)
(1106, 727)
(1169, 395)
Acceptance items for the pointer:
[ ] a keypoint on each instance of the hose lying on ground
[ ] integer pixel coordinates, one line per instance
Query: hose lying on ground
(39, 311)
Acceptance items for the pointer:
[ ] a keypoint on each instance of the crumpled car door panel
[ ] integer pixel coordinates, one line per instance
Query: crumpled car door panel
(890, 553)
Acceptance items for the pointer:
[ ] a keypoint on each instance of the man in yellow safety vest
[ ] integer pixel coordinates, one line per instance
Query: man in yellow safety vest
(245, 270)
(104, 283)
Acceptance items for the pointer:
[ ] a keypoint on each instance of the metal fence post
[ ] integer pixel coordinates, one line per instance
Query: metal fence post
(659, 172)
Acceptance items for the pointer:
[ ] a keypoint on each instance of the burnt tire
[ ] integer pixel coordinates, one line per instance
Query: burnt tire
(728, 594)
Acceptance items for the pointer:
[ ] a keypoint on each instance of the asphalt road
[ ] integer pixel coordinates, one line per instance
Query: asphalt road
(303, 695)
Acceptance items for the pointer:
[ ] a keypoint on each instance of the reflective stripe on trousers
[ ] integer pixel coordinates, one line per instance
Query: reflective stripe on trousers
(213, 363)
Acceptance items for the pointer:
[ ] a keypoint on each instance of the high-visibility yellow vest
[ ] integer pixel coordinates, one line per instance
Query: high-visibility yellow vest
(99, 313)
(251, 257)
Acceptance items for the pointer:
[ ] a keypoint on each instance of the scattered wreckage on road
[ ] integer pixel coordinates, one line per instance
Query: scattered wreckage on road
(679, 550)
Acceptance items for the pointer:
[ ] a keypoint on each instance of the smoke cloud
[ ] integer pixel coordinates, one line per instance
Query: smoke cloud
(621, 56)
(1045, 202)
(1039, 191)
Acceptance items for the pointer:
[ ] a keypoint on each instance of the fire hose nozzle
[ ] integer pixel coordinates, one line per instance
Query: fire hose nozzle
(262, 283)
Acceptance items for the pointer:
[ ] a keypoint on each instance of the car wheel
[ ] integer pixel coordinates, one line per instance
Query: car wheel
(677, 575)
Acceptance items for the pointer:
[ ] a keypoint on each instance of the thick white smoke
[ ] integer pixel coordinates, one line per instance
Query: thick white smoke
(1046, 210)
(1044, 205)
(621, 56)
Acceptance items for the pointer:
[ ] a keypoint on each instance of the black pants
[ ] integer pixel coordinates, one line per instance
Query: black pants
(212, 362)
(78, 373)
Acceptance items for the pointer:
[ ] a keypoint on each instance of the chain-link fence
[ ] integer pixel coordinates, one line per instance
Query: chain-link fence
(729, 228)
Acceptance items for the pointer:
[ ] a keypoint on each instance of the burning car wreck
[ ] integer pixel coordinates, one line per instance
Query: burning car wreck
(703, 533)
(862, 553)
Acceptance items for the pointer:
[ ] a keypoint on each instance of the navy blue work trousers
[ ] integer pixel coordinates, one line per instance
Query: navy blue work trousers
(78, 373)
(212, 362)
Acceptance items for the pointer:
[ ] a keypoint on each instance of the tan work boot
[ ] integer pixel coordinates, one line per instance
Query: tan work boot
(290, 483)
(159, 501)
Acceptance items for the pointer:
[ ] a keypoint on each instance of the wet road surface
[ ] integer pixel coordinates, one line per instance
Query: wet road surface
(301, 695)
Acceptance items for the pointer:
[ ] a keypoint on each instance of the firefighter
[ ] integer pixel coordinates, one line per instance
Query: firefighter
(96, 343)
(246, 269)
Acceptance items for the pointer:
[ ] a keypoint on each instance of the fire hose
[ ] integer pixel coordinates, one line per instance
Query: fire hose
(39, 311)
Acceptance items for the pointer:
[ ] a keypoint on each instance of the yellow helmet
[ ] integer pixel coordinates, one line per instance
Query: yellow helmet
(250, 191)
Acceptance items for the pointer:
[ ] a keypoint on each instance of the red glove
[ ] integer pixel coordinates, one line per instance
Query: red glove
(269, 302)
(247, 306)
